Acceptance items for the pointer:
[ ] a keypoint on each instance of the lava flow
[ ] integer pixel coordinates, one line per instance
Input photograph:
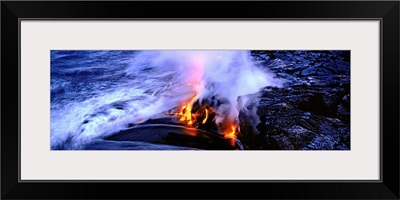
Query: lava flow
(231, 133)
(186, 112)
(204, 110)
(203, 116)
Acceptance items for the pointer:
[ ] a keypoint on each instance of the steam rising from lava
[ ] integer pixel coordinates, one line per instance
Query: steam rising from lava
(221, 76)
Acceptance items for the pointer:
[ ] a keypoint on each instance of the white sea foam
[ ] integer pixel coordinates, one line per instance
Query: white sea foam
(156, 81)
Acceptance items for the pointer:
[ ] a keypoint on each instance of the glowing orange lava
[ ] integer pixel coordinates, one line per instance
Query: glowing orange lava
(228, 129)
(205, 119)
(230, 132)
(186, 111)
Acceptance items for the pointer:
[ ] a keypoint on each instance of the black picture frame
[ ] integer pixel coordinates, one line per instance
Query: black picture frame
(386, 11)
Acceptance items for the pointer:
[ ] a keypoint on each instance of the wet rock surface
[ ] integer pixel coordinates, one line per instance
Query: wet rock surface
(311, 111)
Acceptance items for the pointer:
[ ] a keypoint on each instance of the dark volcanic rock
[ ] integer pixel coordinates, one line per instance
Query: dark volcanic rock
(301, 118)
(171, 134)
(327, 65)
(282, 141)
(312, 109)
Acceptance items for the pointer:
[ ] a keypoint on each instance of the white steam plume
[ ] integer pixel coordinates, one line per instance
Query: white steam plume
(223, 74)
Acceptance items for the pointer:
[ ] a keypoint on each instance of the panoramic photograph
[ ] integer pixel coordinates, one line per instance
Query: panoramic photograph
(200, 100)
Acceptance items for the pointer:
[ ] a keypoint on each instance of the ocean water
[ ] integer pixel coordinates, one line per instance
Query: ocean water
(95, 94)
